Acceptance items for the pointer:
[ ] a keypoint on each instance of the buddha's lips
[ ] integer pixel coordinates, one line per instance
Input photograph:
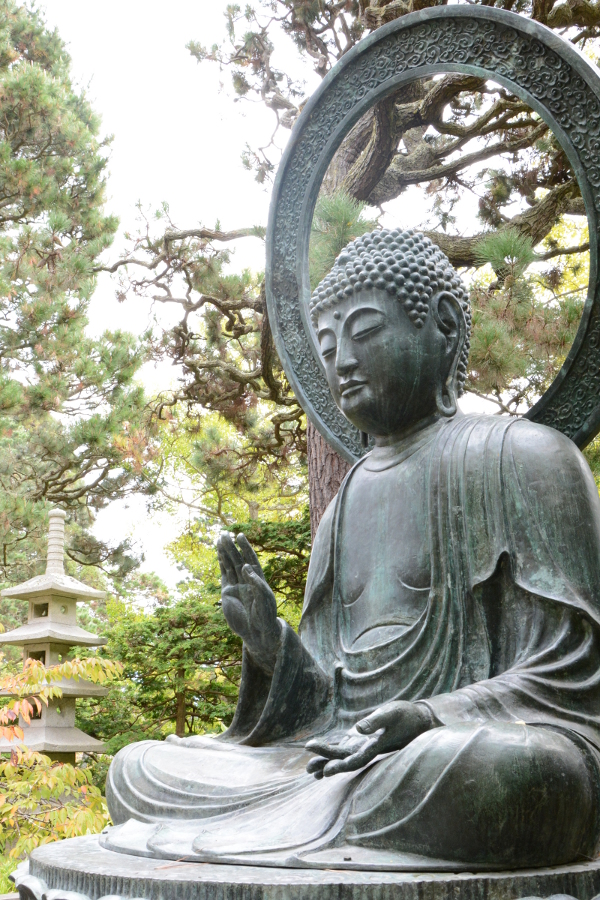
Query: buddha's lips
(349, 387)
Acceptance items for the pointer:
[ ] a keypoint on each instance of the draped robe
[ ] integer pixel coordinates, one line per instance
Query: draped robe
(506, 655)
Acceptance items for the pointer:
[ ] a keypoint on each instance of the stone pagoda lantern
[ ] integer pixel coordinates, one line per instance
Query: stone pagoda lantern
(49, 634)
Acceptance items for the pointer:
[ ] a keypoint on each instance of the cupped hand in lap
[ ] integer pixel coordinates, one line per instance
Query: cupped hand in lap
(249, 604)
(391, 727)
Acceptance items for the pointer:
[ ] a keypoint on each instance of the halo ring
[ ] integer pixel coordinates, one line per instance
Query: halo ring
(546, 72)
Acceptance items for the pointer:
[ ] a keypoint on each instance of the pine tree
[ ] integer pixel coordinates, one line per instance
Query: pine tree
(71, 416)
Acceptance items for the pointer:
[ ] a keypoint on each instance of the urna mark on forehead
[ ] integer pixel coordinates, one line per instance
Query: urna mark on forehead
(405, 264)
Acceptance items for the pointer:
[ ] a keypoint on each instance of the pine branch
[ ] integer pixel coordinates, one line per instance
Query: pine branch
(171, 235)
(562, 251)
(404, 172)
(536, 223)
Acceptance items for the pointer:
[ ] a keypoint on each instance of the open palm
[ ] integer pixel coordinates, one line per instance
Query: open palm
(391, 727)
(249, 604)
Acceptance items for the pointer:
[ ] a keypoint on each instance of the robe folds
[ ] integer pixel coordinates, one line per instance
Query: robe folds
(506, 655)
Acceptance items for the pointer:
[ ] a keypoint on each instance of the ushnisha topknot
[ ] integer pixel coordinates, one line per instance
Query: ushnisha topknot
(408, 266)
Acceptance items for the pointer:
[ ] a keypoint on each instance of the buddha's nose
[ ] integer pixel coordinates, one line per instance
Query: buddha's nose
(345, 360)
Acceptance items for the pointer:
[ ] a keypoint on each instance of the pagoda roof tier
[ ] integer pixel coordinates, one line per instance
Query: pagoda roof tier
(44, 629)
(53, 583)
(72, 688)
(81, 688)
(52, 739)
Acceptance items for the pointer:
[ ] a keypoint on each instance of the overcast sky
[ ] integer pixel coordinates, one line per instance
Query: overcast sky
(177, 138)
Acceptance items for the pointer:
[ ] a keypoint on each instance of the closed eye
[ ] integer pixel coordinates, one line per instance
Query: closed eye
(360, 333)
(367, 322)
(327, 343)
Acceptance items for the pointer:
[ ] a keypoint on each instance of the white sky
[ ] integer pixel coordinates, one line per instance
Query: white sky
(177, 138)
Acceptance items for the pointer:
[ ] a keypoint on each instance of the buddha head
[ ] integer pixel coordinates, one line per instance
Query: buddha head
(393, 323)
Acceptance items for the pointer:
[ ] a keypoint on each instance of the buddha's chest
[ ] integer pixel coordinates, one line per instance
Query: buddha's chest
(384, 554)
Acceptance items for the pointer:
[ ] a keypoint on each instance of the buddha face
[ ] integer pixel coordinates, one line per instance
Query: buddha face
(385, 374)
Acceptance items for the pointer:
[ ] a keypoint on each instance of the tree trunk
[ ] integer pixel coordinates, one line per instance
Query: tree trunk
(326, 471)
(180, 714)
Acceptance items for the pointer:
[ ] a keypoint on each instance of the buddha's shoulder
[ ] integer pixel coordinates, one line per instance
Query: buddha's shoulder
(533, 448)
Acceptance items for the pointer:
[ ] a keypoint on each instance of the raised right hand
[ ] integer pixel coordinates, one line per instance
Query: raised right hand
(249, 604)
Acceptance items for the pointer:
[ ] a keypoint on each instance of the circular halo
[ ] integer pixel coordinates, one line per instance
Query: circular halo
(546, 72)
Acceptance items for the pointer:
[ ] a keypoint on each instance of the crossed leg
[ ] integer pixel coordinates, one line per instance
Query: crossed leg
(498, 795)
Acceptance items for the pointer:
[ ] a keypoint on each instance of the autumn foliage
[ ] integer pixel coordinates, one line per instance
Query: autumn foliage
(41, 800)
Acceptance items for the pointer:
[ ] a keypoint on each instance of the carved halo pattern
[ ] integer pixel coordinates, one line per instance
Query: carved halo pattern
(529, 59)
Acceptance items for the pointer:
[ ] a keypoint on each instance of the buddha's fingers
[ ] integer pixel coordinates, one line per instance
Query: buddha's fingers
(224, 557)
(228, 575)
(233, 554)
(356, 761)
(331, 751)
(248, 554)
(389, 714)
(315, 766)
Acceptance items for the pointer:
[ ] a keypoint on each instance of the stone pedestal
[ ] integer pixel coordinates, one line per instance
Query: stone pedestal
(79, 868)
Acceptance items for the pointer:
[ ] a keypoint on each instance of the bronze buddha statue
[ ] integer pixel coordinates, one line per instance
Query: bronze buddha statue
(439, 707)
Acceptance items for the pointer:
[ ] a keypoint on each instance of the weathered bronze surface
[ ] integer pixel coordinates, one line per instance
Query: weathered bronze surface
(439, 708)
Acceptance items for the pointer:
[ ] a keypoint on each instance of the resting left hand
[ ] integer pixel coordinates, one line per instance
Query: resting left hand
(391, 727)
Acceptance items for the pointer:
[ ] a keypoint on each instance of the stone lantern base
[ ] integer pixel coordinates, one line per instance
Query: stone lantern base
(79, 869)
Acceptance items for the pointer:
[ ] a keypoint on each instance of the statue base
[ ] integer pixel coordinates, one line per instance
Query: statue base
(81, 866)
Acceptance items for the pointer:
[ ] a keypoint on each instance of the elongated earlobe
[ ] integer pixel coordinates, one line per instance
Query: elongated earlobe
(450, 319)
(446, 400)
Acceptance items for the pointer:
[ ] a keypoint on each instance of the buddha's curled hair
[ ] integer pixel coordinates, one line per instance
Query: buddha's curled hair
(408, 266)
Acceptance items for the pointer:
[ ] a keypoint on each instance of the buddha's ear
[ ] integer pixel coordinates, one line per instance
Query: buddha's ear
(450, 320)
